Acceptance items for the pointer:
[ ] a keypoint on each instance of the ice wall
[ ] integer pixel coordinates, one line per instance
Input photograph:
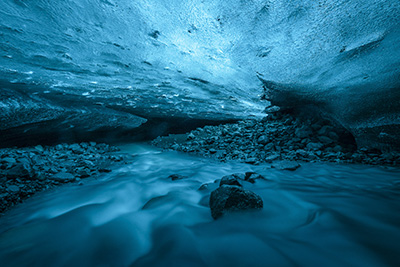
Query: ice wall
(153, 59)
(342, 56)
(66, 40)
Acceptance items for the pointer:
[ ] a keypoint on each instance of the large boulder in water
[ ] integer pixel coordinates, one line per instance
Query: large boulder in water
(230, 198)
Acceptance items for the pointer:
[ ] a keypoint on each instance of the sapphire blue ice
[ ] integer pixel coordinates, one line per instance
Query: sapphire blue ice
(342, 54)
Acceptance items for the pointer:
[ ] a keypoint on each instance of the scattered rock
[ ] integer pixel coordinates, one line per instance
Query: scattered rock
(272, 109)
(212, 151)
(9, 161)
(21, 170)
(314, 146)
(333, 136)
(251, 160)
(228, 198)
(230, 180)
(63, 176)
(325, 139)
(104, 169)
(276, 136)
(84, 173)
(209, 186)
(286, 165)
(39, 148)
(13, 189)
(175, 177)
(263, 140)
(337, 148)
(302, 133)
(271, 158)
(203, 187)
(39, 168)
(252, 177)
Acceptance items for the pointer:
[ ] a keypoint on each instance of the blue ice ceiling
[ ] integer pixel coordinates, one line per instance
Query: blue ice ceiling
(342, 55)
(65, 40)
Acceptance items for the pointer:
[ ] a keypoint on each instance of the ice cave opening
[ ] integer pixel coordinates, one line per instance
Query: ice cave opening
(199, 132)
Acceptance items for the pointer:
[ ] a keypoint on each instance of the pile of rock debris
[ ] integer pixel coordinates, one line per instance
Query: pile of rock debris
(275, 138)
(25, 171)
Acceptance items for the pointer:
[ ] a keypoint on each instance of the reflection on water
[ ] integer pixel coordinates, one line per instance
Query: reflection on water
(321, 214)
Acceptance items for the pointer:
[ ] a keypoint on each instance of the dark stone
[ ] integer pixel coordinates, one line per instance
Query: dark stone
(337, 148)
(104, 169)
(263, 140)
(39, 148)
(8, 160)
(230, 180)
(84, 173)
(251, 177)
(325, 130)
(333, 136)
(303, 133)
(228, 198)
(13, 189)
(251, 160)
(212, 151)
(63, 176)
(269, 147)
(272, 109)
(175, 177)
(203, 187)
(314, 146)
(271, 158)
(154, 34)
(325, 139)
(286, 165)
(21, 170)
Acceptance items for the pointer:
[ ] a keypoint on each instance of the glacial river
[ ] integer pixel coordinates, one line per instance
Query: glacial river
(319, 215)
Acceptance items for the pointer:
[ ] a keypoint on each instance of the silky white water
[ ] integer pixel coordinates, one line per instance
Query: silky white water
(321, 214)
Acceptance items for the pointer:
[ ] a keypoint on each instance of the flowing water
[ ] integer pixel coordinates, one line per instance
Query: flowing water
(320, 215)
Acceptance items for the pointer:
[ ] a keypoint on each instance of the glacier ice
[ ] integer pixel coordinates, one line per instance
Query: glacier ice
(201, 58)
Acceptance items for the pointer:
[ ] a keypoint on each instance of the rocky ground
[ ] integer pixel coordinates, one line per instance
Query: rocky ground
(279, 139)
(25, 171)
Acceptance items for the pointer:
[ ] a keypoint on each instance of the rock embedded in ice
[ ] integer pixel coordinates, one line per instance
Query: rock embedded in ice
(272, 109)
(229, 198)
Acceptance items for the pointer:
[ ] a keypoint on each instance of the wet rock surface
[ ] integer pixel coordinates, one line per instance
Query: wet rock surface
(175, 177)
(278, 139)
(232, 198)
(25, 171)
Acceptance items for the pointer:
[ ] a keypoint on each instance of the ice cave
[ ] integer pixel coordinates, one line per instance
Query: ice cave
(199, 133)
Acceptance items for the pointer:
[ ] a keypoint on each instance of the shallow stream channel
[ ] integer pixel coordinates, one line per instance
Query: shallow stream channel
(321, 214)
